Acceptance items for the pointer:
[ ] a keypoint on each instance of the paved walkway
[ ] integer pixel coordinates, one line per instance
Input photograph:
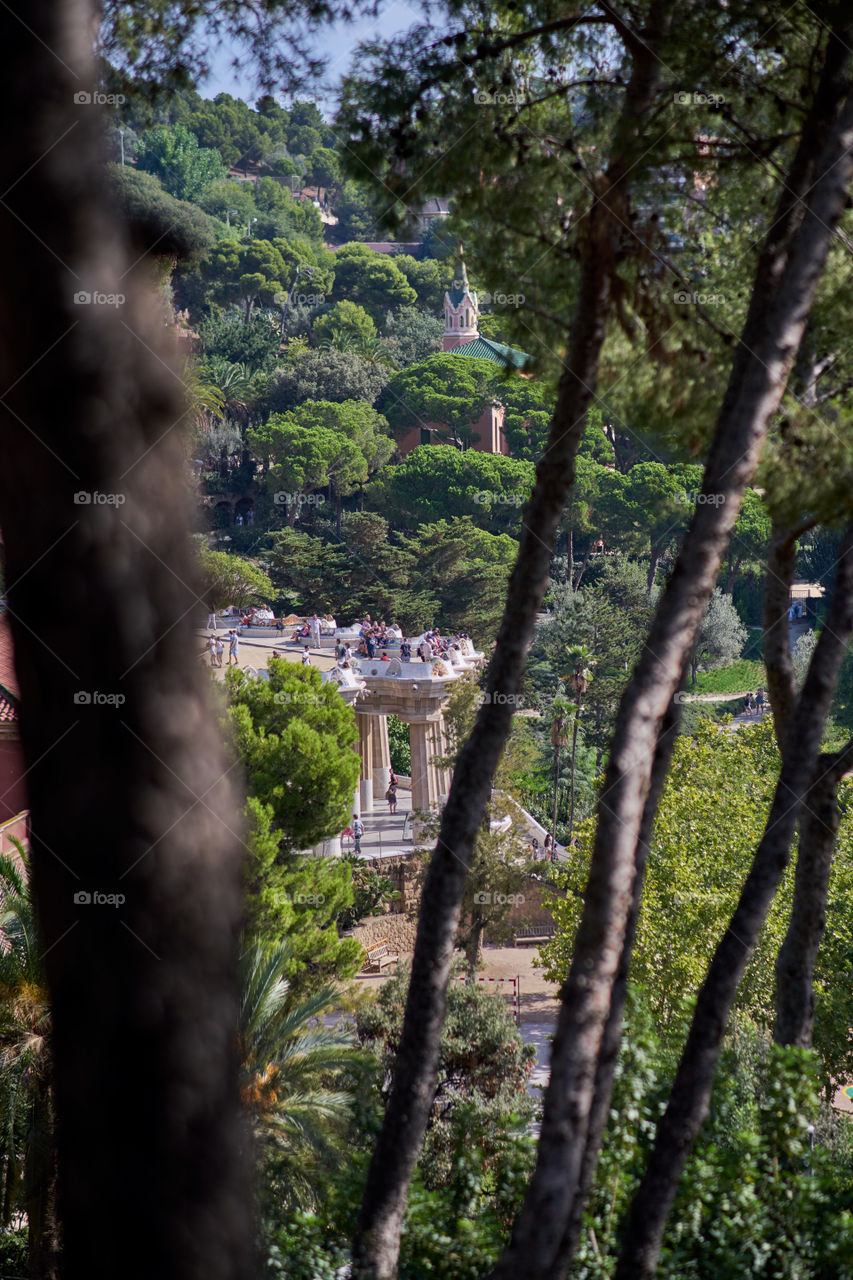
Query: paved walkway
(256, 652)
(383, 831)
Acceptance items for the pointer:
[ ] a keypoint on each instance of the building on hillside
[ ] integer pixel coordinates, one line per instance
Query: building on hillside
(462, 338)
(13, 793)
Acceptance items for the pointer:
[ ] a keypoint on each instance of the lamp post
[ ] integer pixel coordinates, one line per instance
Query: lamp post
(121, 136)
(249, 227)
(228, 213)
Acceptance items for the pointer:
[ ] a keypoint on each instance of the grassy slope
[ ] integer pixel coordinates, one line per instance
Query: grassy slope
(737, 678)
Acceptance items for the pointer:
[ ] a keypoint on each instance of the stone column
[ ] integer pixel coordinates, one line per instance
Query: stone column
(439, 778)
(420, 765)
(365, 751)
(381, 756)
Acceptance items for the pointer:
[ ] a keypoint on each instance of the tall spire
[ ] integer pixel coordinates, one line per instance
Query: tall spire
(460, 309)
(465, 284)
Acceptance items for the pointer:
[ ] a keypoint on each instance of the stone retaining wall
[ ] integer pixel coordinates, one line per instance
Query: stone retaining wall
(397, 930)
(402, 872)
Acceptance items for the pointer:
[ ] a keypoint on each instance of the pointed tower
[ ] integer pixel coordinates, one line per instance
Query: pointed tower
(461, 313)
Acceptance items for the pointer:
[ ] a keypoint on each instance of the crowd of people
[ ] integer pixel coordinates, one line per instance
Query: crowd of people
(375, 639)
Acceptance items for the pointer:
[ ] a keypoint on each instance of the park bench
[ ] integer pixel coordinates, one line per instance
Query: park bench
(378, 956)
(534, 933)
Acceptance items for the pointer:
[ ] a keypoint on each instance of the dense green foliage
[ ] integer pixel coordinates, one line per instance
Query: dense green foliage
(711, 818)
(294, 717)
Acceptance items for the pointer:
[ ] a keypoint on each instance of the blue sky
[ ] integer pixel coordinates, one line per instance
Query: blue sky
(335, 43)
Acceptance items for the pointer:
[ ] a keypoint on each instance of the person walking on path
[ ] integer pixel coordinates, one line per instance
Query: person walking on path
(391, 796)
(759, 702)
(211, 650)
(211, 620)
(233, 648)
(357, 831)
(306, 656)
(220, 649)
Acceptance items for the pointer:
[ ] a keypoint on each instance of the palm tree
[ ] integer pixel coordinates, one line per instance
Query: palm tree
(27, 1153)
(291, 1069)
(373, 351)
(205, 399)
(559, 739)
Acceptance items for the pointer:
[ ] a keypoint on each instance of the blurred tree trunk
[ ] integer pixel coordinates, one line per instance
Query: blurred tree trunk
(130, 790)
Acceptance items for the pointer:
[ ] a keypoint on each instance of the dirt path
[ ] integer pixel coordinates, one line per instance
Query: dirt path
(539, 998)
(713, 697)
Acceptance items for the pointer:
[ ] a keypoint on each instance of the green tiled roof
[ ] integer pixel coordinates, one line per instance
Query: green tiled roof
(486, 349)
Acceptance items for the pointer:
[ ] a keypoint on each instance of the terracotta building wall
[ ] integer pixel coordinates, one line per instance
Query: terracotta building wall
(13, 791)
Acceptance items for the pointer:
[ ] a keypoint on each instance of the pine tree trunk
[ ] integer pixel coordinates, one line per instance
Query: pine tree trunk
(377, 1244)
(130, 791)
(781, 685)
(612, 1038)
(795, 964)
(690, 1096)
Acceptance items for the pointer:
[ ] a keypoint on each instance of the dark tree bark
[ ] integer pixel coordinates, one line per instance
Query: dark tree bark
(377, 1243)
(812, 199)
(583, 568)
(795, 964)
(129, 787)
(40, 1180)
(691, 1091)
(612, 1037)
(781, 686)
